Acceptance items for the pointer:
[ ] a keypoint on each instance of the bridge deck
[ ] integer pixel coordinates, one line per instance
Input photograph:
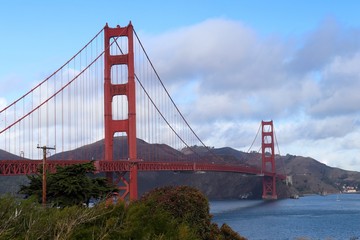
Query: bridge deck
(25, 167)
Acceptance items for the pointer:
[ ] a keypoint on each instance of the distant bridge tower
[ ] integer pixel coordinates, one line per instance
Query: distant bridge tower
(268, 160)
(128, 89)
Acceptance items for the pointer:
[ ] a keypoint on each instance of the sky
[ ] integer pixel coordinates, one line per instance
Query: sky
(229, 64)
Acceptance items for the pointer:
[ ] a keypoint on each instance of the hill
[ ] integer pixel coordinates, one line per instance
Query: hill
(8, 156)
(145, 151)
(308, 175)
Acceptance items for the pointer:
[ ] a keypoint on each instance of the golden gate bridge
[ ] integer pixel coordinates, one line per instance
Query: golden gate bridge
(110, 90)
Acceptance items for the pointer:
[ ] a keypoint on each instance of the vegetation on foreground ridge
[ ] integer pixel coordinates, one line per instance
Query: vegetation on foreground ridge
(164, 213)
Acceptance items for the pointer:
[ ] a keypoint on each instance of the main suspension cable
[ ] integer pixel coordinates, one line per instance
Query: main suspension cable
(281, 160)
(254, 138)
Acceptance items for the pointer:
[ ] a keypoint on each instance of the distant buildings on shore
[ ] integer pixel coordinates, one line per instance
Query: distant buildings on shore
(349, 189)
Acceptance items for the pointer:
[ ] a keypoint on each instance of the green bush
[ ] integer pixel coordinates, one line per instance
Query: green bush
(190, 208)
(183, 203)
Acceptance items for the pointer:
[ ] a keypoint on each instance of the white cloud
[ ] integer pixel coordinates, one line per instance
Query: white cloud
(339, 85)
(310, 89)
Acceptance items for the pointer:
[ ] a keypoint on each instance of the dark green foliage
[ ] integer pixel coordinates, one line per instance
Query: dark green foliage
(143, 223)
(70, 185)
(178, 213)
(229, 234)
(27, 219)
(182, 202)
(23, 219)
(190, 208)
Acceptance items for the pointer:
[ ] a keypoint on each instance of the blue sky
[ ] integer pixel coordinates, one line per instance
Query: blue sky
(301, 56)
(36, 32)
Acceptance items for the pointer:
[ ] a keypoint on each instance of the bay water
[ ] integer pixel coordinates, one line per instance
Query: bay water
(312, 217)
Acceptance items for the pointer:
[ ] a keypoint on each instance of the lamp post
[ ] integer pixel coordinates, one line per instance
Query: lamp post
(44, 148)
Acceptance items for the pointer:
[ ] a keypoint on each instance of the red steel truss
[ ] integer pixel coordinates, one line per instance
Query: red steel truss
(26, 167)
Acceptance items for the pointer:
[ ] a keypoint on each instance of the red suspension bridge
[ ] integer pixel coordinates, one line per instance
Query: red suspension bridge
(110, 90)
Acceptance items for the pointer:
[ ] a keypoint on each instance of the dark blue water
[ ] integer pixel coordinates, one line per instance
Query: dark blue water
(311, 217)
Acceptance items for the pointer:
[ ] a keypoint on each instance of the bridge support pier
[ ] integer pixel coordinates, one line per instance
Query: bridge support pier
(268, 160)
(125, 88)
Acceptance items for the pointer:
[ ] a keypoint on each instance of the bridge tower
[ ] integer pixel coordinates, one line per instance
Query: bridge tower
(268, 160)
(127, 89)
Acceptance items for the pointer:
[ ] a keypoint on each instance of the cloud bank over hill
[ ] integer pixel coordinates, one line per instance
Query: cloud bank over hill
(226, 78)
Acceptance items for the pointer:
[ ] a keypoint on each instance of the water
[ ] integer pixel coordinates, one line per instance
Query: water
(311, 217)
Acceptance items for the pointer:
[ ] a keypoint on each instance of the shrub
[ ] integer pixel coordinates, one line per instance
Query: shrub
(185, 204)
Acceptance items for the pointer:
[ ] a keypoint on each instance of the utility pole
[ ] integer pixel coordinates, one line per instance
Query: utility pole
(44, 148)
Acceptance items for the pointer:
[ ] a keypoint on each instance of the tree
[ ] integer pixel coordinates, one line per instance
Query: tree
(70, 185)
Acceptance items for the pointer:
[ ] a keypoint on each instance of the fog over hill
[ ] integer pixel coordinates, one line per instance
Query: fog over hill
(308, 175)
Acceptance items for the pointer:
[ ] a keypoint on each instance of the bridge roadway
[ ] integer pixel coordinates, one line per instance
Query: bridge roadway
(25, 167)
